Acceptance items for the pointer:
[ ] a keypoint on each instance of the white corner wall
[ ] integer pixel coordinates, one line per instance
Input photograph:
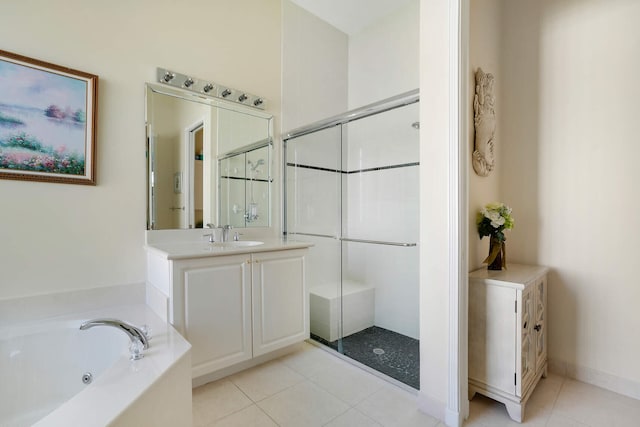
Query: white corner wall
(435, 74)
(384, 57)
(314, 68)
(59, 237)
(570, 113)
(314, 87)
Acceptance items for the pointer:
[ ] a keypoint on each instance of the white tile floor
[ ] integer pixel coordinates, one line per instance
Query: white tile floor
(312, 387)
(561, 402)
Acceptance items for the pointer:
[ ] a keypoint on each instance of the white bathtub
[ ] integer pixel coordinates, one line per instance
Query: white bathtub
(42, 365)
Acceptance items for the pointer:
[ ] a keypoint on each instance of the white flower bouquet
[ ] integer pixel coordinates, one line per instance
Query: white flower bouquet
(492, 220)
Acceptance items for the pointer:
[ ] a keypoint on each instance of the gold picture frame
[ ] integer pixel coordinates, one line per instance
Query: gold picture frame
(48, 116)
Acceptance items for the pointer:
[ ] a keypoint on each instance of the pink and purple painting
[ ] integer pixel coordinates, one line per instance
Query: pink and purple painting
(47, 121)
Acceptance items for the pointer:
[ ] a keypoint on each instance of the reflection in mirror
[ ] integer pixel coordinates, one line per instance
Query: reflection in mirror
(185, 134)
(245, 186)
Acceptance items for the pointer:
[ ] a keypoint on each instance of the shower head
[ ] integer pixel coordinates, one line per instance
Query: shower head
(253, 166)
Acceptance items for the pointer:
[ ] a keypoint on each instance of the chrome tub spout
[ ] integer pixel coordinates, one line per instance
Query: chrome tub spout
(138, 336)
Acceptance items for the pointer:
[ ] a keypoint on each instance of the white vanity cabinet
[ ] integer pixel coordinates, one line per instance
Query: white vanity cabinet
(280, 302)
(211, 308)
(234, 307)
(507, 334)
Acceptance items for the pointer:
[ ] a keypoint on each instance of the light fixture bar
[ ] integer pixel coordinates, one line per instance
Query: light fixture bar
(208, 88)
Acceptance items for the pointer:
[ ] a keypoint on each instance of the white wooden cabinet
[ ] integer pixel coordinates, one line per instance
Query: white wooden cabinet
(279, 300)
(212, 310)
(507, 334)
(236, 307)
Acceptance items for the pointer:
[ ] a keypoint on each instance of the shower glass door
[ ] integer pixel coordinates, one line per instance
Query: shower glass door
(380, 228)
(313, 212)
(352, 190)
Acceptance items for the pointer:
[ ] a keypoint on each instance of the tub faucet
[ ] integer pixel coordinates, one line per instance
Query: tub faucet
(138, 336)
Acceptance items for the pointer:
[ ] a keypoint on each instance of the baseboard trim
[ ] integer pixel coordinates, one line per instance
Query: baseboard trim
(453, 418)
(431, 406)
(439, 410)
(241, 366)
(600, 379)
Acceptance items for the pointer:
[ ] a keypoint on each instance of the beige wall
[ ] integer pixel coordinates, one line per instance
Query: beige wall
(484, 52)
(569, 153)
(57, 237)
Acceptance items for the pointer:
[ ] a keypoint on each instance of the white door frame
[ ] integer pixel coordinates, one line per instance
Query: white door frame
(152, 166)
(458, 402)
(189, 171)
(444, 184)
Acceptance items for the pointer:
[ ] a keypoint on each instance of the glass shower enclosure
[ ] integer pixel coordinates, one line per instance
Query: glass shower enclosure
(351, 188)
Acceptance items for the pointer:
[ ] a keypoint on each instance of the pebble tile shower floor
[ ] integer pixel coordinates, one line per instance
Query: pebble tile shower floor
(393, 354)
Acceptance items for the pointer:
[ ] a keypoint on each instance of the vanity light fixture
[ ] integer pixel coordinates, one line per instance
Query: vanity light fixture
(208, 88)
(168, 76)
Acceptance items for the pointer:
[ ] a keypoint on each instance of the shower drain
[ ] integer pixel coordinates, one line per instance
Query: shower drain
(378, 351)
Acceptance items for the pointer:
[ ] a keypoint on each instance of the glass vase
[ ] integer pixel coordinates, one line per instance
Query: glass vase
(496, 246)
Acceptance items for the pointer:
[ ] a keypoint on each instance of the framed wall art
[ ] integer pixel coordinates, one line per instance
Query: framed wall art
(47, 121)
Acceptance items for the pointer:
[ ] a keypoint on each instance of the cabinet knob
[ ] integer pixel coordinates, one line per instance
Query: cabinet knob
(537, 327)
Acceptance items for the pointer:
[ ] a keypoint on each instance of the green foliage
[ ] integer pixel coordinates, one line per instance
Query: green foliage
(10, 121)
(493, 219)
(22, 140)
(79, 116)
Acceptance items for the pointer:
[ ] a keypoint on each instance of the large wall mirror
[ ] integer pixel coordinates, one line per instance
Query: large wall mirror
(208, 161)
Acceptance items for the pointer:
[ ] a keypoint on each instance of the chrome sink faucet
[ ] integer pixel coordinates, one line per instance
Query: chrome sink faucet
(212, 235)
(224, 235)
(139, 336)
(225, 232)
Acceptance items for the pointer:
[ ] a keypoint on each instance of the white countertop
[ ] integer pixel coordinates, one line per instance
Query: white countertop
(514, 273)
(202, 249)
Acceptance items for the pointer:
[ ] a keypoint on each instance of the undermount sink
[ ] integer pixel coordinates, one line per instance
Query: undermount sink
(238, 243)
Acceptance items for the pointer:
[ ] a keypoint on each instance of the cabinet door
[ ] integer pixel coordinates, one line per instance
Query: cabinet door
(280, 302)
(541, 322)
(217, 313)
(492, 332)
(528, 341)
